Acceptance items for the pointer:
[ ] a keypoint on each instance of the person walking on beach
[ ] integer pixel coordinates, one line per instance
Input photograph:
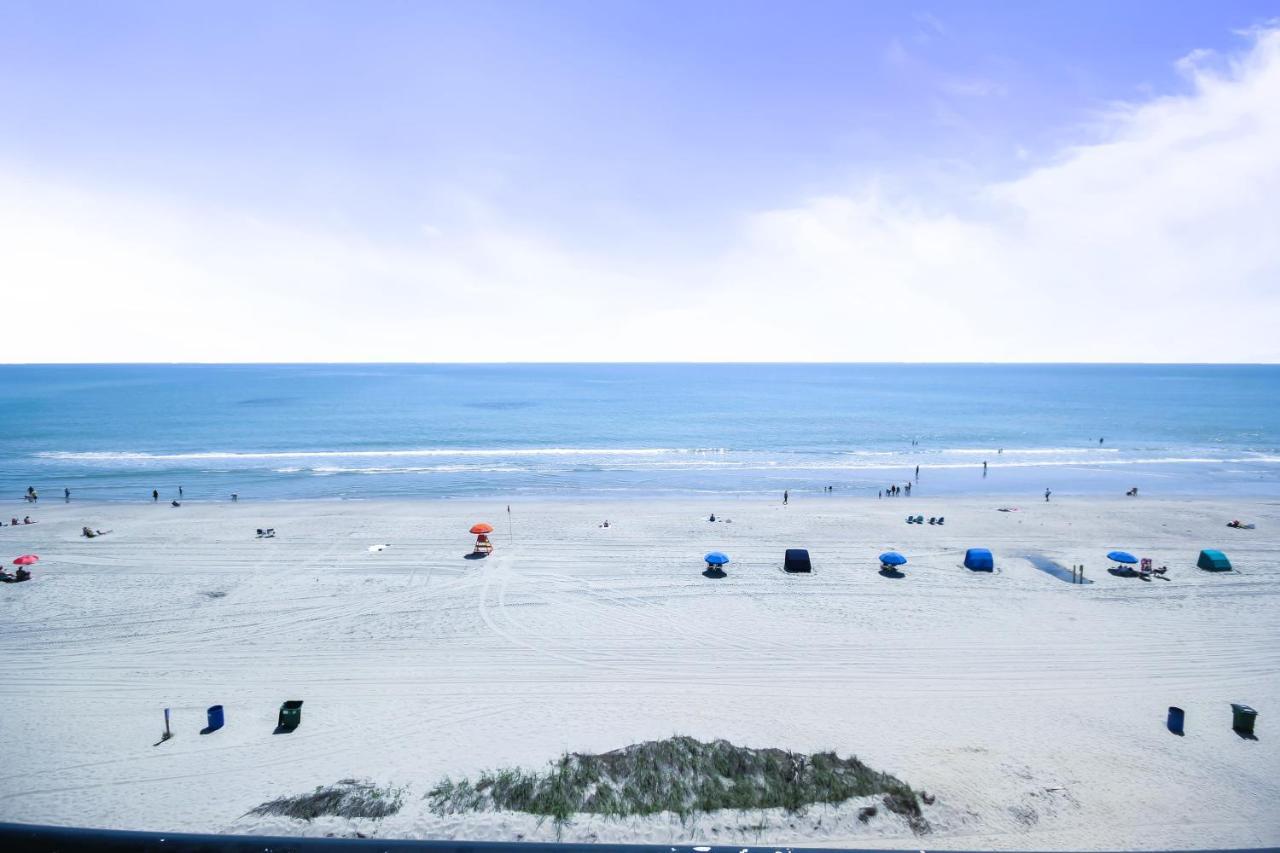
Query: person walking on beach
(984, 467)
(155, 496)
(1046, 495)
(234, 497)
(785, 494)
(66, 494)
(908, 490)
(917, 473)
(179, 491)
(880, 495)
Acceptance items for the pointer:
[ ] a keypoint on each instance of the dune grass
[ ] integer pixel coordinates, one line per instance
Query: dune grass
(348, 798)
(679, 775)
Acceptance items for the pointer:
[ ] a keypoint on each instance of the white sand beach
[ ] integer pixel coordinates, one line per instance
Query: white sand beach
(1032, 708)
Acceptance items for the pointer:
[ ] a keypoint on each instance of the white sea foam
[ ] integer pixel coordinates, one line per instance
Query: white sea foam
(773, 466)
(131, 456)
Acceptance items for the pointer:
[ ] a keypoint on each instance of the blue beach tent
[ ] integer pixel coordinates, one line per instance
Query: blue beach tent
(892, 558)
(1122, 557)
(979, 560)
(1213, 561)
(716, 558)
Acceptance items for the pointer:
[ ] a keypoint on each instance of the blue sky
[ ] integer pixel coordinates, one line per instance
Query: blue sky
(640, 147)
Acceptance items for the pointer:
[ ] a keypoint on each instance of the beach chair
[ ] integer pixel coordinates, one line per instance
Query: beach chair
(941, 519)
(933, 520)
(919, 519)
(911, 519)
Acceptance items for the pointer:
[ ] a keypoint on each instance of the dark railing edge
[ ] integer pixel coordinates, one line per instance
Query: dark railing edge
(21, 838)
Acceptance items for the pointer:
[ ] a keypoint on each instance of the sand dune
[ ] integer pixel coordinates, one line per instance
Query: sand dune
(1032, 708)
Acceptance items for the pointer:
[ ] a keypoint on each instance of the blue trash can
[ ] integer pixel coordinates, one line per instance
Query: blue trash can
(215, 718)
(1176, 719)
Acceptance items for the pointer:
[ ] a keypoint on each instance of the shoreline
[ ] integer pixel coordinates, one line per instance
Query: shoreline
(811, 499)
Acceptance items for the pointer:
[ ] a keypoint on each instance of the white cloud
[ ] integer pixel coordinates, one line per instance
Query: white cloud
(973, 87)
(1155, 243)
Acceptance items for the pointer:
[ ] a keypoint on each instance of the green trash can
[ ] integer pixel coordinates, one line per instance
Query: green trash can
(290, 715)
(1242, 717)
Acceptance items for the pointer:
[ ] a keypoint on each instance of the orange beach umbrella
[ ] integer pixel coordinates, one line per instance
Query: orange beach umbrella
(481, 528)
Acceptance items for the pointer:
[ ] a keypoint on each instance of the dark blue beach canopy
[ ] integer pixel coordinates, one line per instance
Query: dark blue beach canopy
(1122, 557)
(716, 558)
(893, 558)
(979, 559)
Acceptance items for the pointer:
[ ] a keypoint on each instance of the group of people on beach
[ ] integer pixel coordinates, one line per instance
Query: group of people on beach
(894, 491)
(13, 522)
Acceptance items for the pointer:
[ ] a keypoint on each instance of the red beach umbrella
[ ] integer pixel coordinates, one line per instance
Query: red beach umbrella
(481, 528)
(26, 560)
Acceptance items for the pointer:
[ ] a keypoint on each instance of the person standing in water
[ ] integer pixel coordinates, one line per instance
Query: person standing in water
(179, 491)
(155, 496)
(66, 494)
(785, 495)
(917, 472)
(1046, 495)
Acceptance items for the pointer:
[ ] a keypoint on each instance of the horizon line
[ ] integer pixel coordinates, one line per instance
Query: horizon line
(554, 363)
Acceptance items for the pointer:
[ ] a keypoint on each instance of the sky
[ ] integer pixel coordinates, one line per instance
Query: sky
(640, 181)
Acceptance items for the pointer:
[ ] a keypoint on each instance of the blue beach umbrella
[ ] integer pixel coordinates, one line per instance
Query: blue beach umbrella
(1122, 557)
(716, 558)
(892, 558)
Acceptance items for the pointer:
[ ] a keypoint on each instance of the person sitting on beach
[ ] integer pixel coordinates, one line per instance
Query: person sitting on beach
(21, 575)
(26, 519)
(87, 533)
(14, 522)
(605, 523)
(712, 518)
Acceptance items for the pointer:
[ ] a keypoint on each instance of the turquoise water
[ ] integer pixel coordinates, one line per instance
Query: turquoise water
(363, 431)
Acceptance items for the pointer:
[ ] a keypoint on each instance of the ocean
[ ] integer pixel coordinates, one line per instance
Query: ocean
(269, 432)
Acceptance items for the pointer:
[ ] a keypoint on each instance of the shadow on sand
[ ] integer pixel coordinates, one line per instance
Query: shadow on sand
(1052, 568)
(474, 556)
(711, 572)
(888, 572)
